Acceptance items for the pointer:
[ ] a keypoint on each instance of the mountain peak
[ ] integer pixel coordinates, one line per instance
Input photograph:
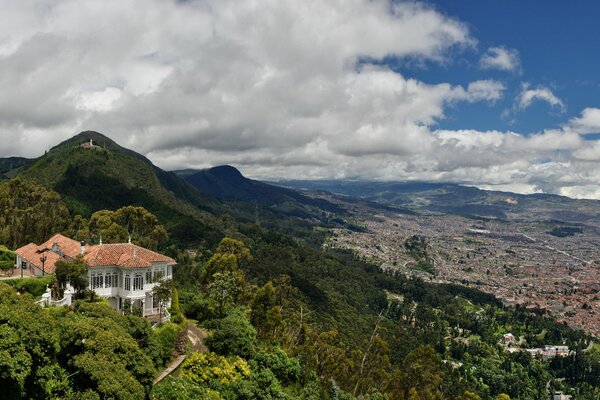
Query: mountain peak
(226, 172)
(85, 136)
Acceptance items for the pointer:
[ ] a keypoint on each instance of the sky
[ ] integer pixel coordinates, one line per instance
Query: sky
(499, 95)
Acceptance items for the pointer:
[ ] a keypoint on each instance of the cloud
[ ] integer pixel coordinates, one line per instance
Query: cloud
(278, 88)
(501, 58)
(527, 96)
(588, 122)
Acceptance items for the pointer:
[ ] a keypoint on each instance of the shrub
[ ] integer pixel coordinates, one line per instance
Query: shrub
(34, 286)
(167, 336)
(232, 335)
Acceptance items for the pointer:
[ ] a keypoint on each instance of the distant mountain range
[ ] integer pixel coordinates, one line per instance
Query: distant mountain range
(449, 198)
(103, 175)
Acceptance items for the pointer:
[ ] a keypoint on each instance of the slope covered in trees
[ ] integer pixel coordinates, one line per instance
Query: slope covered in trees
(355, 332)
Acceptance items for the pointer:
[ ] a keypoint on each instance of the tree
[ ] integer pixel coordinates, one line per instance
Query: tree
(423, 372)
(223, 289)
(232, 335)
(132, 222)
(29, 213)
(15, 363)
(176, 315)
(209, 367)
(73, 272)
(162, 291)
(266, 313)
(231, 255)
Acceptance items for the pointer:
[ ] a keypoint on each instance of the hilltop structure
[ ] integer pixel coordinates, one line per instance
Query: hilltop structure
(123, 272)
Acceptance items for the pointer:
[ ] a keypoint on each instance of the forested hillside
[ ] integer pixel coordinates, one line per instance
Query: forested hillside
(287, 318)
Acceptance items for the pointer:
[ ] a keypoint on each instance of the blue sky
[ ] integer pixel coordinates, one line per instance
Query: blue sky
(558, 46)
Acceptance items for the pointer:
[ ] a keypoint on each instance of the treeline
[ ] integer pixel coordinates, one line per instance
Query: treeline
(33, 213)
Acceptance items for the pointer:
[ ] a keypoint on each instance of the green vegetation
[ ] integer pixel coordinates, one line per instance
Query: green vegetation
(7, 258)
(30, 213)
(33, 286)
(565, 231)
(322, 327)
(89, 351)
(416, 247)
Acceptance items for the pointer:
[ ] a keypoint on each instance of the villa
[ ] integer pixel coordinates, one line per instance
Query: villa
(118, 272)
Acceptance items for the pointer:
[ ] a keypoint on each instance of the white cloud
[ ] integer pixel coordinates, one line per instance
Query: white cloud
(527, 96)
(274, 87)
(487, 90)
(501, 58)
(588, 122)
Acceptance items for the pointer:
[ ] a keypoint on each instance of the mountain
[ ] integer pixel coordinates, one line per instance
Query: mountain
(450, 198)
(227, 183)
(92, 172)
(11, 166)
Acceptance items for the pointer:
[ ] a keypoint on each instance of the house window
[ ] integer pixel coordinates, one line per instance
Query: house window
(160, 273)
(120, 279)
(97, 280)
(138, 281)
(111, 280)
(149, 276)
(127, 282)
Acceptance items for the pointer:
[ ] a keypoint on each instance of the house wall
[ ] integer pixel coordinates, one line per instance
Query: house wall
(33, 270)
(135, 284)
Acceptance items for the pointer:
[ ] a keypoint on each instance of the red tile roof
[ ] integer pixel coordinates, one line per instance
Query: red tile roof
(125, 255)
(69, 247)
(32, 253)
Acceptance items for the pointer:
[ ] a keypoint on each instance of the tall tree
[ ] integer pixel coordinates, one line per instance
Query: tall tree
(29, 212)
(72, 272)
(135, 222)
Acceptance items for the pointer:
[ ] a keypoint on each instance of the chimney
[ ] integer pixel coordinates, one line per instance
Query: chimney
(100, 240)
(82, 248)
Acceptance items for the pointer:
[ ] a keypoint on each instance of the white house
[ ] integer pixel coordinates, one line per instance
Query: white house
(119, 272)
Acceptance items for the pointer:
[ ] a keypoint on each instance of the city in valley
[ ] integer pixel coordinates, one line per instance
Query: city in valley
(532, 264)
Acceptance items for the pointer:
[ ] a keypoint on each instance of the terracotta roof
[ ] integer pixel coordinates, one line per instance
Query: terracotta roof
(69, 247)
(125, 255)
(32, 252)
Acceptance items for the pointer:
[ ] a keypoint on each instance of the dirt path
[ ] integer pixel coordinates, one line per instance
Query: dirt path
(196, 336)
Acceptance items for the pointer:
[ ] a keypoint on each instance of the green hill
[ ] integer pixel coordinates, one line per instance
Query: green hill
(108, 176)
